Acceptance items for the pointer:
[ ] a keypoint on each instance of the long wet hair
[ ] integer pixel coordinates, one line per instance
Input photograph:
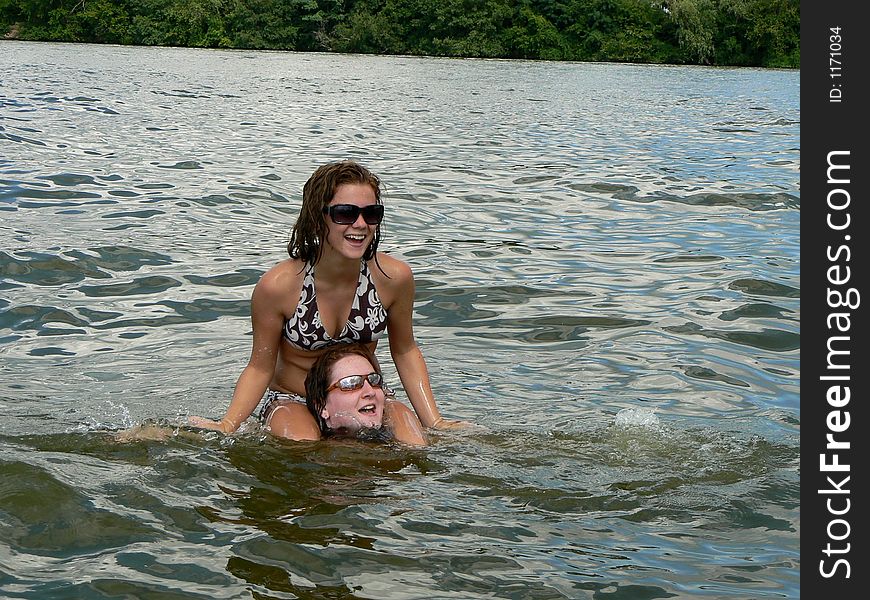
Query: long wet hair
(318, 378)
(309, 232)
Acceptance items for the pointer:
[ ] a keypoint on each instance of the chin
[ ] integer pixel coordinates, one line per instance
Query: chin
(358, 250)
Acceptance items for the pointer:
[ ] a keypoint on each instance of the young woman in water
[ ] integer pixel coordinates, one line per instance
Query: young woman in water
(346, 395)
(335, 288)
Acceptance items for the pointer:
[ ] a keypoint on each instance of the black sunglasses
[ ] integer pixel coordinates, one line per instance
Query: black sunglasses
(347, 214)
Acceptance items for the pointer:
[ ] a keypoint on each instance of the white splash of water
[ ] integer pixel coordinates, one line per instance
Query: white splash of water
(114, 416)
(637, 417)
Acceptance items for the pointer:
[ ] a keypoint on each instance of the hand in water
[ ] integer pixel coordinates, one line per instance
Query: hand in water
(451, 424)
(204, 423)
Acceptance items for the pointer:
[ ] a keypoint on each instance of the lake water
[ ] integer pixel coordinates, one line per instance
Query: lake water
(607, 267)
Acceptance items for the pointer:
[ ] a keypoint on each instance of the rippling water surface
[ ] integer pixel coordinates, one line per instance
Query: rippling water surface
(607, 265)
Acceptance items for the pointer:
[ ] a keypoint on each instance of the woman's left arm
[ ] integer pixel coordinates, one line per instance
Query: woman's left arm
(406, 354)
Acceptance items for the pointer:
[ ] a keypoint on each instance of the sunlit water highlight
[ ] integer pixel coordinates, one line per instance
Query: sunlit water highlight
(607, 265)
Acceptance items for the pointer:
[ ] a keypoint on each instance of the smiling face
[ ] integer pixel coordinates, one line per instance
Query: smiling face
(351, 240)
(309, 237)
(355, 409)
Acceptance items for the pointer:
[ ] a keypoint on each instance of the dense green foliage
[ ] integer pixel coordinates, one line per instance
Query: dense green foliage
(720, 32)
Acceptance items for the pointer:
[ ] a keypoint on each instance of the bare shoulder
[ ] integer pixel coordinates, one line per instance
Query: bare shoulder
(397, 409)
(286, 271)
(281, 281)
(391, 272)
(404, 424)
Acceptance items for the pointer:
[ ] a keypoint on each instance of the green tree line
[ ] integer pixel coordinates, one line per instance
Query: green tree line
(764, 33)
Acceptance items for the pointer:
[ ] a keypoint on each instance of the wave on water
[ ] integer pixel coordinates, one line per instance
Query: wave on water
(748, 201)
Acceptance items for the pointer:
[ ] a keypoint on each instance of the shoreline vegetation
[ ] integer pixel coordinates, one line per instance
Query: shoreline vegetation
(747, 33)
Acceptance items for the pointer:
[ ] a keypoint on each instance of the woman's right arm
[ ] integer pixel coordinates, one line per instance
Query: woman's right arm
(267, 321)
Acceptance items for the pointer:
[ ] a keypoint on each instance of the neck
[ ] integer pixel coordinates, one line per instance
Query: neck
(334, 265)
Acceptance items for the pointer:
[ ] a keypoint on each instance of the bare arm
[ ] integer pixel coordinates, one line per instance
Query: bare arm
(267, 320)
(407, 356)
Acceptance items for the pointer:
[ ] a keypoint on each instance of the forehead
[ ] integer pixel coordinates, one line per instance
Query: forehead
(354, 193)
(352, 364)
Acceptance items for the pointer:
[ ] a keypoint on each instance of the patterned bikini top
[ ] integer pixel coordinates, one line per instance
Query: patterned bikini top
(366, 323)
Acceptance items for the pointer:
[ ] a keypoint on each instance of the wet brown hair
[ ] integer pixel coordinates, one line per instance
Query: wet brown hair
(310, 229)
(318, 378)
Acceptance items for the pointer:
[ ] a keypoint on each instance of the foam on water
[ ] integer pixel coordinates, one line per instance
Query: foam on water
(636, 417)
